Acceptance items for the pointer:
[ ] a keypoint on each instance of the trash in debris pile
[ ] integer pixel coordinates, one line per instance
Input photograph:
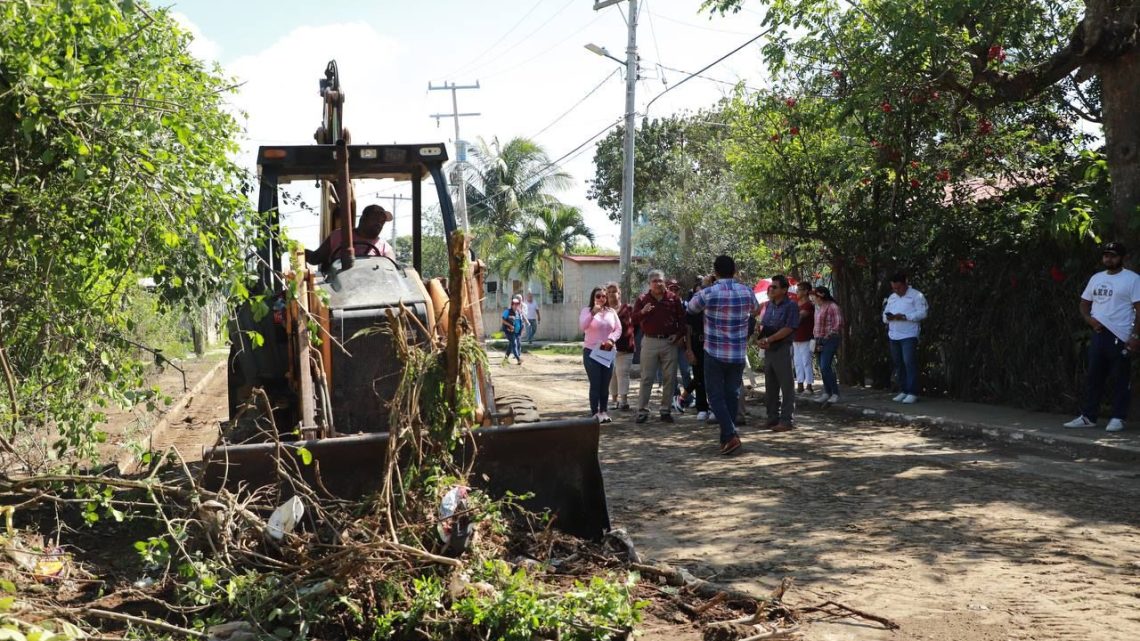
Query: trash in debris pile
(285, 518)
(31, 554)
(455, 526)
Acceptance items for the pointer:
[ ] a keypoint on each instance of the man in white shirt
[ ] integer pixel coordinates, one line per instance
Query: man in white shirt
(904, 310)
(1109, 305)
(532, 315)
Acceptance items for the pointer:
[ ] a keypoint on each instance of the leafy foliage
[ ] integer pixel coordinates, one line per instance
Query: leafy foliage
(504, 180)
(115, 146)
(545, 240)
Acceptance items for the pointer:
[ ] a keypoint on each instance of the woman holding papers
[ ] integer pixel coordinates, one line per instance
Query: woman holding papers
(602, 328)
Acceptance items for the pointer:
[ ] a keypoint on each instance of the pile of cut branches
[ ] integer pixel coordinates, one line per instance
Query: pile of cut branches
(291, 560)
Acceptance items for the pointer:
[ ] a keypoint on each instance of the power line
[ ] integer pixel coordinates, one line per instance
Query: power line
(697, 26)
(704, 77)
(710, 65)
(516, 44)
(496, 43)
(577, 104)
(530, 59)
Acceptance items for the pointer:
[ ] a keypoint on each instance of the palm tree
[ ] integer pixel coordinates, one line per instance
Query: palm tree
(506, 180)
(550, 236)
(500, 252)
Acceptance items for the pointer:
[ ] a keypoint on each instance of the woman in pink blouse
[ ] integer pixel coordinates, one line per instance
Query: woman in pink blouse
(602, 328)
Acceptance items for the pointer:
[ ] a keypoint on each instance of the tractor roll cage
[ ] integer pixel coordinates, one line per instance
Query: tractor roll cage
(279, 165)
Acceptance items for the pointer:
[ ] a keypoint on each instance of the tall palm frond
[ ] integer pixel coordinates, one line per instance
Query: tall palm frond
(549, 237)
(505, 180)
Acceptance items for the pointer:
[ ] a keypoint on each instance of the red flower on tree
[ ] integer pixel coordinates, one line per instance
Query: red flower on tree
(837, 74)
(966, 265)
(914, 184)
(886, 107)
(795, 131)
(943, 175)
(1056, 274)
(985, 127)
(791, 102)
(861, 261)
(996, 53)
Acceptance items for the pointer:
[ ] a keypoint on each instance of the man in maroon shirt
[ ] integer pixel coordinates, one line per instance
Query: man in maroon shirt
(661, 316)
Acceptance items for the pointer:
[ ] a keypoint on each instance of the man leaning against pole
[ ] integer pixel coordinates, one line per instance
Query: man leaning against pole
(727, 305)
(1109, 305)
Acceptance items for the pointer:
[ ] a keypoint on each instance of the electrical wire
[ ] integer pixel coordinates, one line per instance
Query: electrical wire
(511, 48)
(537, 56)
(709, 78)
(709, 66)
(496, 43)
(577, 104)
(697, 26)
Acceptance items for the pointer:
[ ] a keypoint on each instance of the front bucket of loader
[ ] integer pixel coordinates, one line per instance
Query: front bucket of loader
(556, 461)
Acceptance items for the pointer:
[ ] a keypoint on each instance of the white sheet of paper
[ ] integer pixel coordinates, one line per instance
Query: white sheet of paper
(605, 357)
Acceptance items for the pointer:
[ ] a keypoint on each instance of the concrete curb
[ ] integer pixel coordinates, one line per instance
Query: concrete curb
(1048, 442)
(128, 462)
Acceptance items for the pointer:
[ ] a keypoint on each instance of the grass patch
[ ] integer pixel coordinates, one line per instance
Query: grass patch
(561, 350)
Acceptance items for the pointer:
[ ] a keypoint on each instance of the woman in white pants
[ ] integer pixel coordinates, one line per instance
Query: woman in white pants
(619, 382)
(802, 347)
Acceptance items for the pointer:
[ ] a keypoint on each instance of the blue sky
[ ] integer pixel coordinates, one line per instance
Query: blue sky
(528, 57)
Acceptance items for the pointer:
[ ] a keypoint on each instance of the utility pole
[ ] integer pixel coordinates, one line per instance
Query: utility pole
(626, 240)
(396, 198)
(460, 154)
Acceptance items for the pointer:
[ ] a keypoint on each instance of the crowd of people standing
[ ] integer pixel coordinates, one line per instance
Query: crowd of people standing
(694, 347)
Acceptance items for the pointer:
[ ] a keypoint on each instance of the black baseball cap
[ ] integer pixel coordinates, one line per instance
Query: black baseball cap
(1114, 248)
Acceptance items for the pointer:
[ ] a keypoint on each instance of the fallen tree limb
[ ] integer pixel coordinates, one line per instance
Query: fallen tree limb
(822, 607)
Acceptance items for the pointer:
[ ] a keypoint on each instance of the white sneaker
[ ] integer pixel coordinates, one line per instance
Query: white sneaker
(909, 398)
(834, 398)
(821, 397)
(1079, 421)
(1115, 425)
(711, 418)
(899, 397)
(702, 416)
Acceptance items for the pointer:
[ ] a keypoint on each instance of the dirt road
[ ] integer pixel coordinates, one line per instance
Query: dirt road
(952, 539)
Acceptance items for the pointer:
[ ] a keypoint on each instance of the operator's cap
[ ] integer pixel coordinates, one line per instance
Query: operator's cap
(377, 210)
(516, 299)
(671, 283)
(1114, 248)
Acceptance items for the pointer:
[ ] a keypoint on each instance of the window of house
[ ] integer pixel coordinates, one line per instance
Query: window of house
(492, 287)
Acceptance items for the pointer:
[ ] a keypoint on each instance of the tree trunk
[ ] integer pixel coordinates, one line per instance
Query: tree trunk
(1120, 80)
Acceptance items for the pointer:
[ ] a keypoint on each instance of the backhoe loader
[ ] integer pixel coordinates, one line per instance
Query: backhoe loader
(329, 398)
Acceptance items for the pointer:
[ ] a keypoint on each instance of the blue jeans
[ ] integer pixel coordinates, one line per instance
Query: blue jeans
(599, 377)
(513, 346)
(531, 329)
(827, 349)
(1106, 359)
(685, 369)
(904, 355)
(723, 381)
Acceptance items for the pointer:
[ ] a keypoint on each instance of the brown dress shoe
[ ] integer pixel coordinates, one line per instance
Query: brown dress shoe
(783, 427)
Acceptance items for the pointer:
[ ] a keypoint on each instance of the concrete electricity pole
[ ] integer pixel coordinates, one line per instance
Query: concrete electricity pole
(396, 198)
(626, 240)
(460, 152)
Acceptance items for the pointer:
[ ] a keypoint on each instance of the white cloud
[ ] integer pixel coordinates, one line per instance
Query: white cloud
(201, 47)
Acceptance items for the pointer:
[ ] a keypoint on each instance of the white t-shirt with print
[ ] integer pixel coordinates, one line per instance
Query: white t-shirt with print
(1112, 296)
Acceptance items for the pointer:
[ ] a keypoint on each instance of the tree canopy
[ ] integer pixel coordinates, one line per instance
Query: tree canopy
(115, 164)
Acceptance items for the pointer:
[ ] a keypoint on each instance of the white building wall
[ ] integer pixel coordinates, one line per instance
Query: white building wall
(559, 322)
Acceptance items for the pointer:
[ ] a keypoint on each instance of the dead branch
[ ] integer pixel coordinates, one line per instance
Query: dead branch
(822, 607)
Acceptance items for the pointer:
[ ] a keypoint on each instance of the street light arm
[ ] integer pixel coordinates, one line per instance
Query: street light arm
(601, 51)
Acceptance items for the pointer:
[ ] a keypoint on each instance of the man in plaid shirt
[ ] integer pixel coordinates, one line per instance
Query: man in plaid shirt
(727, 305)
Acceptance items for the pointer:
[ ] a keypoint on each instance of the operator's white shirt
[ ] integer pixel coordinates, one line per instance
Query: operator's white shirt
(913, 305)
(1112, 297)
